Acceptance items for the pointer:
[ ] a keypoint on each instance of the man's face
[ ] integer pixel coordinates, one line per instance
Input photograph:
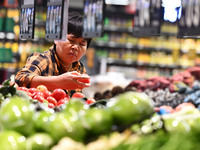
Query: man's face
(71, 50)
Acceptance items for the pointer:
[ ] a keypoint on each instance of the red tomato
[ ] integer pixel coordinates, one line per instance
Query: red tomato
(38, 93)
(90, 100)
(23, 88)
(84, 80)
(52, 100)
(66, 98)
(59, 94)
(39, 98)
(29, 94)
(47, 94)
(41, 88)
(51, 105)
(62, 101)
(32, 90)
(78, 95)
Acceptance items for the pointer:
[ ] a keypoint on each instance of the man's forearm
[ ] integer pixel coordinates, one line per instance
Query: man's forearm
(49, 81)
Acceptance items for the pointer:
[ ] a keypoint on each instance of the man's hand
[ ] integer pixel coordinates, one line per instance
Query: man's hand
(69, 81)
(73, 80)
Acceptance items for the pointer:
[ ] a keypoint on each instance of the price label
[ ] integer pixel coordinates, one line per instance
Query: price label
(189, 23)
(147, 19)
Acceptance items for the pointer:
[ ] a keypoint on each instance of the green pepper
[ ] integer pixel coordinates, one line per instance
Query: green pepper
(130, 107)
(17, 114)
(97, 121)
(39, 141)
(75, 105)
(62, 124)
(41, 119)
(12, 140)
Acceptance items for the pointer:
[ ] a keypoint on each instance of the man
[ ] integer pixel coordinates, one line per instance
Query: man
(60, 66)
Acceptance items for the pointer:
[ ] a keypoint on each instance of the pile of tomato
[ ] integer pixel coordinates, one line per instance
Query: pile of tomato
(57, 97)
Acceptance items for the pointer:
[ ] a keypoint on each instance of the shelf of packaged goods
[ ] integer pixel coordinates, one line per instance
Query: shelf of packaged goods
(112, 45)
(115, 45)
(130, 63)
(168, 34)
(129, 30)
(108, 28)
(36, 41)
(187, 51)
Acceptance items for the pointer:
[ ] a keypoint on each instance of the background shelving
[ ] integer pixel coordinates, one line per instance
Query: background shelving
(120, 49)
(163, 54)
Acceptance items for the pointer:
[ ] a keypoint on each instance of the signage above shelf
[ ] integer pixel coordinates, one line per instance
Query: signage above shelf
(189, 23)
(147, 18)
(93, 18)
(57, 19)
(27, 19)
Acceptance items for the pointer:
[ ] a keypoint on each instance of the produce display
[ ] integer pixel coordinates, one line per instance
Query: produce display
(157, 113)
(37, 116)
(170, 91)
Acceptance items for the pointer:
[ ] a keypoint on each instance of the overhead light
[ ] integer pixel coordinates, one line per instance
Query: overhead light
(117, 2)
(172, 10)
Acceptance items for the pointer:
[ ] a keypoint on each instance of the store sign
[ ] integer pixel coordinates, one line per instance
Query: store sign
(93, 18)
(189, 23)
(147, 19)
(56, 20)
(27, 19)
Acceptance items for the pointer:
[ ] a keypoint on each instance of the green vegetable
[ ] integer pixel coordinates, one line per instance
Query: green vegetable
(16, 114)
(1, 98)
(130, 107)
(75, 105)
(12, 140)
(97, 121)
(39, 141)
(41, 118)
(62, 124)
(7, 90)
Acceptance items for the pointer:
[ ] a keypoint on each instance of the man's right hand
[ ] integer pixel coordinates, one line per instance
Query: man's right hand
(73, 80)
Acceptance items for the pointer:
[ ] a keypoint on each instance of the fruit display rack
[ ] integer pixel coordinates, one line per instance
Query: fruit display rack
(145, 111)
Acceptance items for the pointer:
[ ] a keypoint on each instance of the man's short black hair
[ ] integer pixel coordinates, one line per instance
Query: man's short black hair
(75, 25)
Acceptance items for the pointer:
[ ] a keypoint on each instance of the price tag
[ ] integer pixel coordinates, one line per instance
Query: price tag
(147, 19)
(27, 19)
(189, 23)
(93, 18)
